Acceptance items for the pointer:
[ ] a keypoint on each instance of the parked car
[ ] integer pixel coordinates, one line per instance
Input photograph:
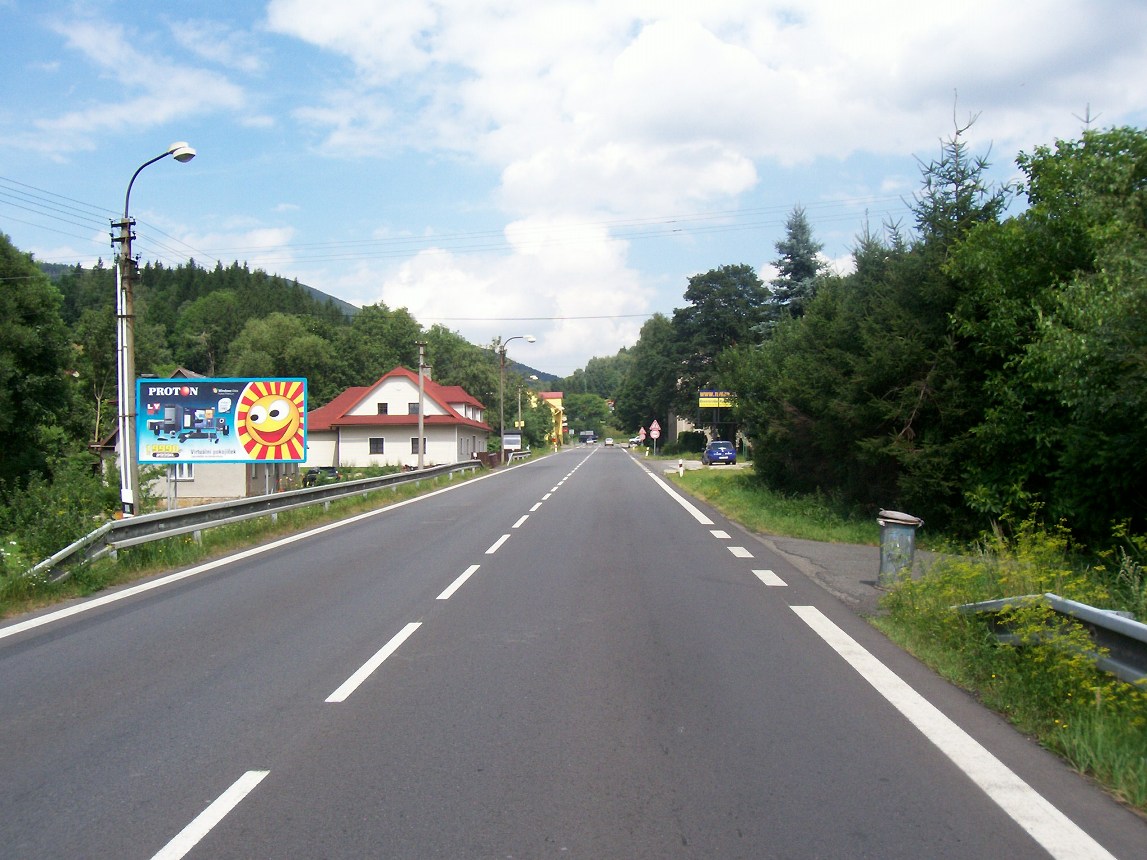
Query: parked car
(719, 452)
(320, 475)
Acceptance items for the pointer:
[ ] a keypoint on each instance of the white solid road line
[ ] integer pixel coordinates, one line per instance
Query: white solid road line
(352, 683)
(682, 501)
(1058, 834)
(190, 835)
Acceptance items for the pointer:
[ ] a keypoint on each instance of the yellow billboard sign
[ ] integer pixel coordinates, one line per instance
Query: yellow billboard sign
(715, 399)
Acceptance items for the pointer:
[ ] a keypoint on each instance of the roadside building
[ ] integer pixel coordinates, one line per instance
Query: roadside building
(377, 425)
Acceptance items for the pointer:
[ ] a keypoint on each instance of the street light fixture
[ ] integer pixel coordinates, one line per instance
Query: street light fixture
(528, 338)
(125, 338)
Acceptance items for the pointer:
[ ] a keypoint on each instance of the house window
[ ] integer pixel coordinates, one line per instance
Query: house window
(377, 443)
(413, 408)
(414, 444)
(383, 408)
(184, 471)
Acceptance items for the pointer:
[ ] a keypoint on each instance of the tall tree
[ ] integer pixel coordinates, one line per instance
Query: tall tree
(284, 345)
(35, 397)
(1054, 304)
(650, 385)
(799, 266)
(726, 305)
(377, 340)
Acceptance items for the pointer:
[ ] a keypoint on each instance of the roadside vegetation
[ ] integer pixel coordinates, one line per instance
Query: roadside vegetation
(1045, 682)
(20, 593)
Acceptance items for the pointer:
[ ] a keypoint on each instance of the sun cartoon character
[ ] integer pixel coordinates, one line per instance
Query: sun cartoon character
(269, 419)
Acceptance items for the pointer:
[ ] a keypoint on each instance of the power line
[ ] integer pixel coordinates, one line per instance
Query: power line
(69, 211)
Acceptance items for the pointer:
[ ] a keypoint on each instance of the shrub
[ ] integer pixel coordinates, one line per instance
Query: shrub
(50, 514)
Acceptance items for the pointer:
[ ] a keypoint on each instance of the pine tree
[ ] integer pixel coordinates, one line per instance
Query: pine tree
(800, 267)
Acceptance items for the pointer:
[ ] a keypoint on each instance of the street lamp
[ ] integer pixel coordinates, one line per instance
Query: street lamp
(125, 338)
(528, 338)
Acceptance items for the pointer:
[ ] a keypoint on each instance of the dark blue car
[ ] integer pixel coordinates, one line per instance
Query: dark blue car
(719, 452)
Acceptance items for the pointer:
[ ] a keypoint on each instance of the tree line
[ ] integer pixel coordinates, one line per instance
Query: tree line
(976, 367)
(58, 385)
(973, 366)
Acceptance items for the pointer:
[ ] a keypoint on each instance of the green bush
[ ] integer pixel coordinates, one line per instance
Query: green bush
(691, 442)
(1044, 678)
(47, 515)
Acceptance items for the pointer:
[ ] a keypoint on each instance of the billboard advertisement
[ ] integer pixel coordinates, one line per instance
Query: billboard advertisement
(709, 399)
(221, 420)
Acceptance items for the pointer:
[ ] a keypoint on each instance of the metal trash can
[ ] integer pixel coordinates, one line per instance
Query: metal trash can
(897, 544)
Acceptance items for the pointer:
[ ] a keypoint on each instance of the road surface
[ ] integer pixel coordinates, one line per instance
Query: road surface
(565, 658)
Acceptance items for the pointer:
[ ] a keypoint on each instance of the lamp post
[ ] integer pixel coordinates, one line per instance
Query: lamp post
(125, 338)
(528, 338)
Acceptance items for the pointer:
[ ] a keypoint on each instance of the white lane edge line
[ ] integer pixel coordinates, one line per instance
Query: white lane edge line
(740, 552)
(203, 823)
(770, 579)
(458, 583)
(368, 668)
(521, 520)
(497, 545)
(682, 501)
(1059, 835)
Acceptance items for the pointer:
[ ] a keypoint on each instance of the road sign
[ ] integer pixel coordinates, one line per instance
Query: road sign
(641, 434)
(654, 426)
(655, 432)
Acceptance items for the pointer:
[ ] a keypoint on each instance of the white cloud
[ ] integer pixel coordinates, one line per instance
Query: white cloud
(218, 43)
(156, 90)
(566, 283)
(614, 109)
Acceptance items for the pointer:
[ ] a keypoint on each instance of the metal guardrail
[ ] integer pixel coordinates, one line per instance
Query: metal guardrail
(1123, 639)
(120, 534)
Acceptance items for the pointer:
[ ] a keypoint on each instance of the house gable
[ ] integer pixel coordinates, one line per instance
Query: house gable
(378, 423)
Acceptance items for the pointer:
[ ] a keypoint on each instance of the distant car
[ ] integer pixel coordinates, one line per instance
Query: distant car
(719, 452)
(320, 475)
(608, 441)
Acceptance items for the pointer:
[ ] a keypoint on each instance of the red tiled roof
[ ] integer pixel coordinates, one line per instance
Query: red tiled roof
(322, 418)
(334, 414)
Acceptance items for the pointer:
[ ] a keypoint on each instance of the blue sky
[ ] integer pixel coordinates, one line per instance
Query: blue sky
(507, 167)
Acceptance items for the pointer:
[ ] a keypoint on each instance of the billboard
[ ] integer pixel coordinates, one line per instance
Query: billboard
(709, 399)
(221, 420)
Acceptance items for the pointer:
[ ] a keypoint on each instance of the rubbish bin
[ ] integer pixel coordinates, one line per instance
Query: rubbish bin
(897, 544)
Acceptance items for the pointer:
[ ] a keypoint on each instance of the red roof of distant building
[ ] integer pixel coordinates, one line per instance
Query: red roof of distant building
(334, 414)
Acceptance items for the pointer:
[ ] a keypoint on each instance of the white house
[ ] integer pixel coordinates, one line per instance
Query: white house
(377, 425)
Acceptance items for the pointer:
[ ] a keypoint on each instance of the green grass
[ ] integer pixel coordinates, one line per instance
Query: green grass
(738, 495)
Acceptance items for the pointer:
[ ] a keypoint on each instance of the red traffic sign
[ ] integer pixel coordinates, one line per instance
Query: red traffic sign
(641, 434)
(654, 427)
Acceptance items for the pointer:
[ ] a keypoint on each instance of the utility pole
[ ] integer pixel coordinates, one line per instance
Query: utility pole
(421, 402)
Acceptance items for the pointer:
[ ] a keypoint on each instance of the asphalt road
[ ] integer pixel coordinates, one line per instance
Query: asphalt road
(562, 659)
